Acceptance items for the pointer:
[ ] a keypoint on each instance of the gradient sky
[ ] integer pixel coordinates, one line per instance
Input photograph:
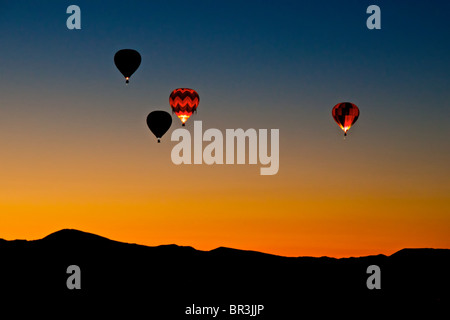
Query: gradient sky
(75, 151)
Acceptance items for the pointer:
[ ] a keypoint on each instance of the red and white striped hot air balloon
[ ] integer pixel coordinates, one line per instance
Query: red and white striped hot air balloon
(184, 102)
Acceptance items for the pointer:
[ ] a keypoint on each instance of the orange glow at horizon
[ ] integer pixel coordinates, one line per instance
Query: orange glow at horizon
(297, 215)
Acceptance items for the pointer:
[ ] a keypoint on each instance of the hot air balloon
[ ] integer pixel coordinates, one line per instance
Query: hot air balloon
(127, 61)
(345, 114)
(184, 102)
(159, 122)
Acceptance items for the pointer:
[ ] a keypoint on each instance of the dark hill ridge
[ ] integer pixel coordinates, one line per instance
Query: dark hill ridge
(168, 278)
(81, 238)
(73, 235)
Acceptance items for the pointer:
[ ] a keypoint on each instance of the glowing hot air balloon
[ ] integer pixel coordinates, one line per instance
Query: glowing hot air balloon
(127, 61)
(184, 102)
(159, 122)
(345, 114)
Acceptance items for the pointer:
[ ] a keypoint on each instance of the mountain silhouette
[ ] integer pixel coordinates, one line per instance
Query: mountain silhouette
(163, 281)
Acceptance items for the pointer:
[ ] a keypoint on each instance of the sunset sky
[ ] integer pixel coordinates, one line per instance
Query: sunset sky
(75, 151)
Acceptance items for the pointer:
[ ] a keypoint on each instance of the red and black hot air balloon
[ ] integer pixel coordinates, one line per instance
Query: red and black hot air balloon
(184, 102)
(345, 114)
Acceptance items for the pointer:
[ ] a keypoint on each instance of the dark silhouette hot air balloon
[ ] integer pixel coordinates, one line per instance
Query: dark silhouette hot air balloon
(159, 122)
(184, 102)
(127, 61)
(345, 114)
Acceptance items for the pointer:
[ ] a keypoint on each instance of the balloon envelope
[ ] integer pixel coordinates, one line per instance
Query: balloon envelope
(127, 61)
(159, 122)
(184, 102)
(345, 114)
